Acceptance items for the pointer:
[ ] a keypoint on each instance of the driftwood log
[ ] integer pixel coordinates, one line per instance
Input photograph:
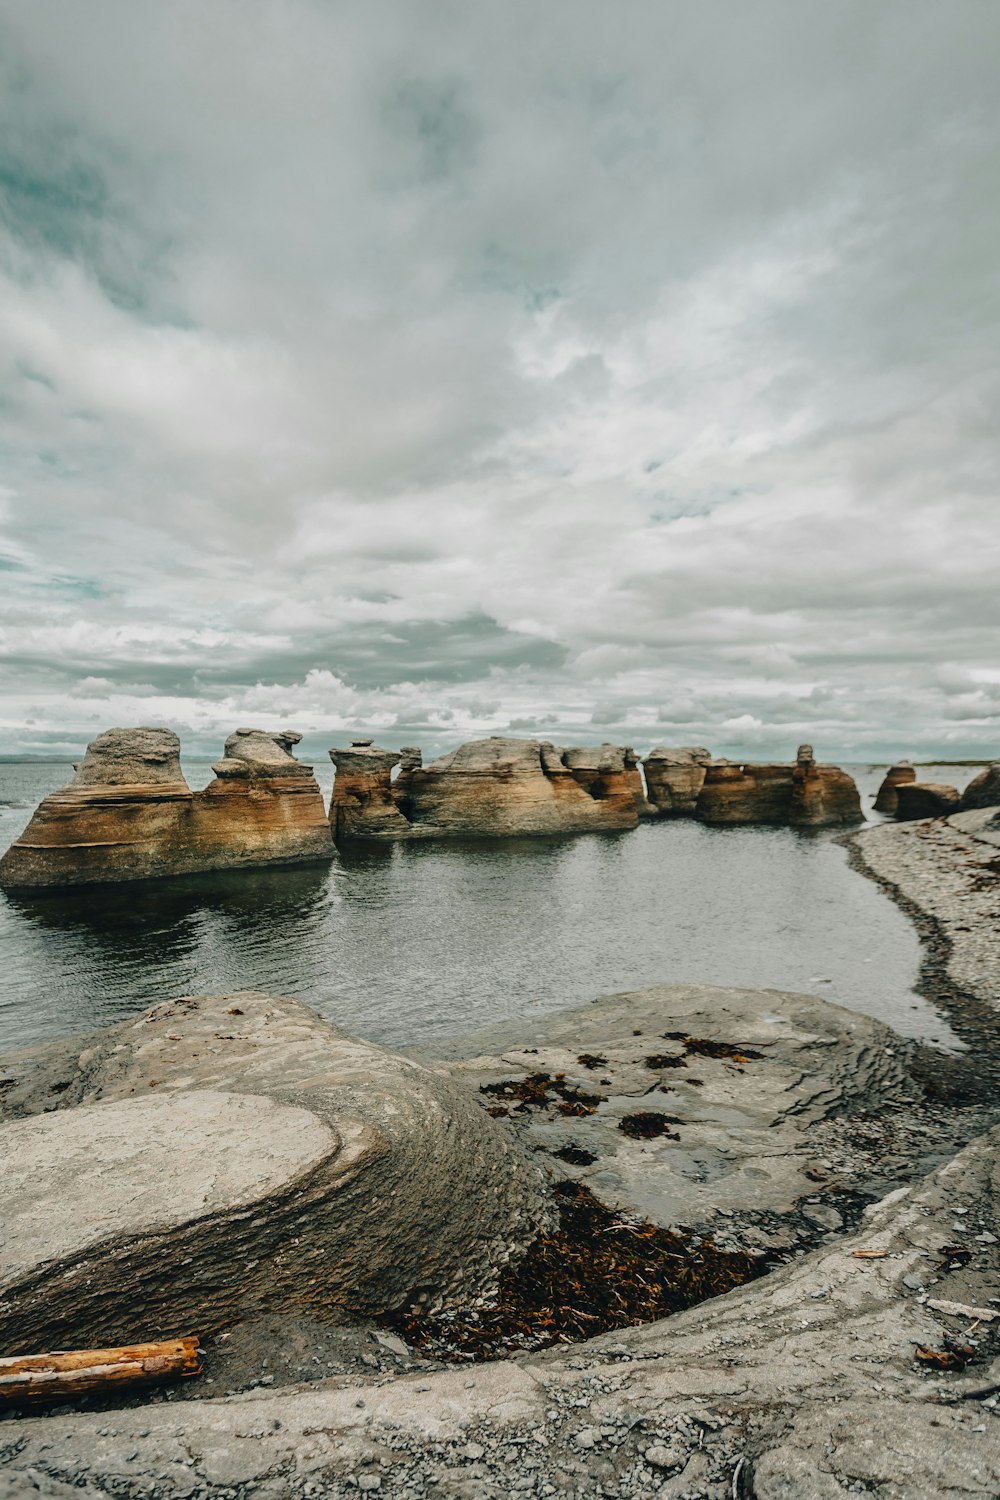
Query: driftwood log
(31, 1378)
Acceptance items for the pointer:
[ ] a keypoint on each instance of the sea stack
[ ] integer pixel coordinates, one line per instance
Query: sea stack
(504, 788)
(610, 772)
(363, 805)
(129, 814)
(264, 807)
(901, 774)
(495, 788)
(674, 777)
(801, 795)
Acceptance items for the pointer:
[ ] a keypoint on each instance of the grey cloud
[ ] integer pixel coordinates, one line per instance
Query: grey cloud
(445, 365)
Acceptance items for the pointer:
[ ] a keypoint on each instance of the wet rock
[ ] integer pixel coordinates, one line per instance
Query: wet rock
(901, 774)
(674, 777)
(410, 1190)
(129, 814)
(926, 799)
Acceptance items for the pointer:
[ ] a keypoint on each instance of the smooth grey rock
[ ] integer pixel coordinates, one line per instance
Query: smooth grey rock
(426, 1198)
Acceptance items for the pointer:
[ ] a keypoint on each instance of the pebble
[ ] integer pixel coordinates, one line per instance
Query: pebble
(665, 1456)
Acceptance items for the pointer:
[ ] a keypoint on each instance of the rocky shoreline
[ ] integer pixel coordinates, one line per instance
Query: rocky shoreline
(867, 1362)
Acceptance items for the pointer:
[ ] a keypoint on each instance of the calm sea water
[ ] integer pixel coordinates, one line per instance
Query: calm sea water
(408, 945)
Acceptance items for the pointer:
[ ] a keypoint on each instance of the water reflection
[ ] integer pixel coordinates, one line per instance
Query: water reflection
(408, 944)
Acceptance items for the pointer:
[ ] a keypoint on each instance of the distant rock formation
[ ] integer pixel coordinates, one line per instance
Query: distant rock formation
(901, 774)
(363, 804)
(926, 799)
(983, 790)
(129, 814)
(277, 1165)
(608, 772)
(674, 777)
(800, 795)
(495, 788)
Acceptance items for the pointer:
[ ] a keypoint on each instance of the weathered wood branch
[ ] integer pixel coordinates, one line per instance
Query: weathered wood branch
(30, 1378)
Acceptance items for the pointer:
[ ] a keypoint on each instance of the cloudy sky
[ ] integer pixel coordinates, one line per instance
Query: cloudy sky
(585, 369)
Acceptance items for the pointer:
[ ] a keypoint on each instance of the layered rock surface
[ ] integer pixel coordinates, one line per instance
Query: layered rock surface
(495, 788)
(674, 777)
(741, 1079)
(800, 1386)
(363, 803)
(801, 795)
(280, 1165)
(129, 814)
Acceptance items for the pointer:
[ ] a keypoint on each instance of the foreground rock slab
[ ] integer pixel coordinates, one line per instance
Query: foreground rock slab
(279, 1165)
(801, 1386)
(742, 1092)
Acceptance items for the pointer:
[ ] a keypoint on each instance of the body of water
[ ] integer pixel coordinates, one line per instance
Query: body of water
(409, 944)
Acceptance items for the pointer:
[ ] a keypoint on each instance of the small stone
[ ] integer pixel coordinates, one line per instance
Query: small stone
(586, 1438)
(473, 1451)
(369, 1482)
(665, 1456)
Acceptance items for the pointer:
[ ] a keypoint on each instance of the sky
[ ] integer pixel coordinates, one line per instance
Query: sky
(584, 371)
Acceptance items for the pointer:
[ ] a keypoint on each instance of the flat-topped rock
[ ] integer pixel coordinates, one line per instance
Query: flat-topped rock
(129, 814)
(95, 1198)
(375, 1182)
(926, 799)
(802, 794)
(363, 804)
(740, 1079)
(674, 777)
(495, 788)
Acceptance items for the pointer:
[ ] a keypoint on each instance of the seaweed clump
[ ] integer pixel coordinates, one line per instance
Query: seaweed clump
(647, 1124)
(536, 1091)
(594, 1272)
(704, 1047)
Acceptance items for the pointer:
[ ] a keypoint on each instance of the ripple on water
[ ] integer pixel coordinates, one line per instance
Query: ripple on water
(408, 944)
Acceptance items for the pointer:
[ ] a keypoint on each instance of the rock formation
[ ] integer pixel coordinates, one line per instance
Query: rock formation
(800, 795)
(926, 799)
(822, 796)
(279, 1165)
(129, 814)
(495, 788)
(901, 774)
(983, 790)
(363, 804)
(674, 777)
(610, 772)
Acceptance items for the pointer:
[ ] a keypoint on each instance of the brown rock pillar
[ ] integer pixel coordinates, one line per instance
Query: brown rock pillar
(363, 805)
(901, 774)
(674, 777)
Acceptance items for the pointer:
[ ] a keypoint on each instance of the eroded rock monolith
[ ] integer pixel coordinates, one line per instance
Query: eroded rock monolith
(129, 814)
(803, 794)
(674, 777)
(886, 799)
